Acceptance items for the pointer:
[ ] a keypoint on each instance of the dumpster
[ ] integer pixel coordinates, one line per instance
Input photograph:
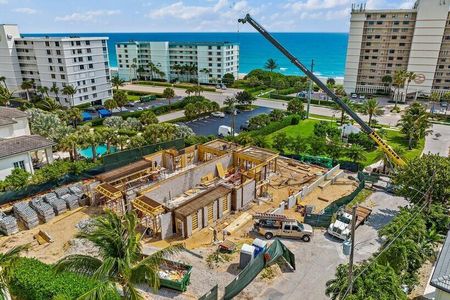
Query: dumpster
(174, 275)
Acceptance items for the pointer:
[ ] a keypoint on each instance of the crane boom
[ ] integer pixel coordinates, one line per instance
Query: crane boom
(366, 128)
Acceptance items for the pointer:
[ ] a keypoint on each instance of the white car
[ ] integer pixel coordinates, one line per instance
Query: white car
(140, 108)
(218, 114)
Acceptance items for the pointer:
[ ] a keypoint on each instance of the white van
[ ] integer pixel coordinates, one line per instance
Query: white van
(225, 131)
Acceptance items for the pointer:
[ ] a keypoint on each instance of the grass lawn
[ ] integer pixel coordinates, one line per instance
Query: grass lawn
(133, 98)
(394, 138)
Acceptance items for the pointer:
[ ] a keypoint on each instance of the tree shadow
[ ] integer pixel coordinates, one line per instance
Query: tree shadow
(234, 269)
(380, 218)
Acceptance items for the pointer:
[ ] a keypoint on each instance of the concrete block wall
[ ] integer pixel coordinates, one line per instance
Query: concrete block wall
(330, 173)
(280, 209)
(216, 210)
(166, 225)
(249, 192)
(188, 229)
(291, 201)
(182, 182)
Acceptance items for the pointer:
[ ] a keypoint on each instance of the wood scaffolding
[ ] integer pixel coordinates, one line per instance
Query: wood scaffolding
(149, 212)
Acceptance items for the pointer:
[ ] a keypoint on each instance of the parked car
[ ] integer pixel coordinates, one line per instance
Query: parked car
(218, 114)
(362, 97)
(140, 108)
(130, 104)
(354, 96)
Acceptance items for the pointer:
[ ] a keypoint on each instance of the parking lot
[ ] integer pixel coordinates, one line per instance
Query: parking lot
(209, 125)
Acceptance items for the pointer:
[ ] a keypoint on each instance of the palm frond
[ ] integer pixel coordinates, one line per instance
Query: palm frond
(106, 270)
(13, 253)
(80, 264)
(101, 291)
(156, 258)
(133, 293)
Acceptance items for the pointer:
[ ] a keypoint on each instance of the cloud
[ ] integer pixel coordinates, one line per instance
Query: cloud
(3, 1)
(25, 10)
(180, 10)
(87, 16)
(315, 4)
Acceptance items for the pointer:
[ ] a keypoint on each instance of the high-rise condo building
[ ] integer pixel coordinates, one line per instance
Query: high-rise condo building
(81, 62)
(208, 61)
(383, 41)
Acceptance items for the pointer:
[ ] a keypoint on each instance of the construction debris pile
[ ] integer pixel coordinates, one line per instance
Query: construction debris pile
(172, 272)
(26, 214)
(8, 224)
(59, 205)
(44, 210)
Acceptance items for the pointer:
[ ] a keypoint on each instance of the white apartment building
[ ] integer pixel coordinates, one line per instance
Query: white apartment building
(210, 61)
(78, 61)
(383, 41)
(18, 148)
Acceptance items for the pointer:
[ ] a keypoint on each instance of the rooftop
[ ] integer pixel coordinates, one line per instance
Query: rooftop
(124, 171)
(8, 112)
(202, 200)
(441, 275)
(23, 144)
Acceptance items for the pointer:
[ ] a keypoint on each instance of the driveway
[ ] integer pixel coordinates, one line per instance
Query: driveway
(317, 261)
(439, 141)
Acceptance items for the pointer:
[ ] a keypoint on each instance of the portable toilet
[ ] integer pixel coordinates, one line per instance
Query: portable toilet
(346, 247)
(246, 256)
(260, 245)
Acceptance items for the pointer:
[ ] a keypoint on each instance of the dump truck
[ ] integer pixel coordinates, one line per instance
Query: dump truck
(271, 225)
(341, 228)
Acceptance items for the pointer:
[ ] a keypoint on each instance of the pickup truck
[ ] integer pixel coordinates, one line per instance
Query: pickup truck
(270, 225)
(341, 228)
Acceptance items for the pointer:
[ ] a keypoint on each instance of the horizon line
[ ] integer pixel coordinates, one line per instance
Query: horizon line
(197, 32)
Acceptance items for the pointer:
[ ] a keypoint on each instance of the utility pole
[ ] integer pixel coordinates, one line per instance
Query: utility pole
(350, 266)
(310, 91)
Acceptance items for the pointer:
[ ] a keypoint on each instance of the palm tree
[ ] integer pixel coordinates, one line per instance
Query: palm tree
(7, 263)
(49, 104)
(349, 103)
(90, 138)
(133, 67)
(414, 123)
(120, 259)
(446, 98)
(69, 143)
(387, 80)
(371, 108)
(5, 96)
(43, 90)
(434, 97)
(271, 64)
(410, 76)
(109, 136)
(27, 85)
(70, 91)
(168, 93)
(205, 71)
(139, 71)
(74, 116)
(55, 90)
(117, 82)
(399, 82)
(355, 152)
(151, 68)
(3, 81)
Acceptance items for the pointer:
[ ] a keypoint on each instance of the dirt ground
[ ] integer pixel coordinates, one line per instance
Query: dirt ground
(61, 229)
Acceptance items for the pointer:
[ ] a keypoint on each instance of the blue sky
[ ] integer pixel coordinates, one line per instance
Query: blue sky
(181, 15)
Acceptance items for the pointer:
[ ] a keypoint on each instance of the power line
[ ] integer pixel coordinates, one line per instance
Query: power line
(392, 241)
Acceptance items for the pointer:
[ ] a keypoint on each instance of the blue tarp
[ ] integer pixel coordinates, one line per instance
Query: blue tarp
(86, 116)
(104, 113)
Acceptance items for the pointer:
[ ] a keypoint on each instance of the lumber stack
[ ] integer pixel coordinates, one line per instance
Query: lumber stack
(26, 214)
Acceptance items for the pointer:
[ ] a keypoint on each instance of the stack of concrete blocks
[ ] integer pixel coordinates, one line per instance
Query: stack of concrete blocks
(78, 191)
(8, 224)
(44, 210)
(59, 205)
(26, 214)
(71, 201)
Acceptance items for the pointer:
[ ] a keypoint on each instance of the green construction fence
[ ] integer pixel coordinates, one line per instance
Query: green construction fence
(324, 219)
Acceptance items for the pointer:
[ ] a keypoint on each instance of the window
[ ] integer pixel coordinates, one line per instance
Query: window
(383, 16)
(57, 44)
(80, 59)
(92, 80)
(47, 44)
(396, 22)
(49, 52)
(51, 68)
(50, 60)
(78, 43)
(58, 52)
(88, 43)
(19, 164)
(53, 76)
(63, 76)
(82, 67)
(61, 69)
(91, 66)
(394, 37)
(79, 51)
(405, 22)
(89, 58)
(88, 50)
(94, 88)
(379, 22)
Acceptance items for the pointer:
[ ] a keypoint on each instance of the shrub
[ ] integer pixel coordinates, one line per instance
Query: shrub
(295, 120)
(31, 279)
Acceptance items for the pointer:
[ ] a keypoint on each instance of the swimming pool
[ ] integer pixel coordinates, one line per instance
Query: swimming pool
(101, 150)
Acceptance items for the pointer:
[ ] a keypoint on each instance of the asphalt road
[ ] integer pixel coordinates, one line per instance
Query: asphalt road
(316, 261)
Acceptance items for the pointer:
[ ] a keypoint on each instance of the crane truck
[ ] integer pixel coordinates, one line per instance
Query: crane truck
(391, 154)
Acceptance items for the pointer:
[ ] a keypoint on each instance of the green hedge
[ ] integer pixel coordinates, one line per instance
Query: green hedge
(313, 101)
(32, 279)
(138, 93)
(274, 126)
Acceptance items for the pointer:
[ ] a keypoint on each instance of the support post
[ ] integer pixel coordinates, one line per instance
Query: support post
(350, 266)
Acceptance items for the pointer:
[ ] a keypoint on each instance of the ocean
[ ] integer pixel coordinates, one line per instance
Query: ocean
(327, 49)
